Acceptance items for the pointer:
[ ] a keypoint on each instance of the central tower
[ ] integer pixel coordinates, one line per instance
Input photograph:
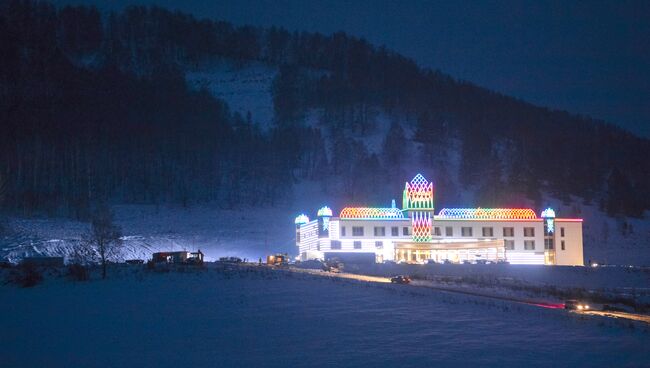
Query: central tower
(418, 202)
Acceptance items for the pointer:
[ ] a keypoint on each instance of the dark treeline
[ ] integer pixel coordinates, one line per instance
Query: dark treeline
(72, 136)
(95, 107)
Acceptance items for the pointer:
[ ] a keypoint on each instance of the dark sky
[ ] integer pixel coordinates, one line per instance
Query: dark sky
(589, 57)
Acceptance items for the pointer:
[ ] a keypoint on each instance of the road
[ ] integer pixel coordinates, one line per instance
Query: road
(431, 285)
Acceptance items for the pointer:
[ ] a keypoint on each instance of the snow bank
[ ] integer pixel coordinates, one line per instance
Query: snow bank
(274, 319)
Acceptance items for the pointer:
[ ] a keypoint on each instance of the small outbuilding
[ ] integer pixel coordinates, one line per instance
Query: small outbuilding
(182, 257)
(43, 261)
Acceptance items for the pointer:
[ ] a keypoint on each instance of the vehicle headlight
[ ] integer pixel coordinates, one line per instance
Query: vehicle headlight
(580, 307)
(586, 307)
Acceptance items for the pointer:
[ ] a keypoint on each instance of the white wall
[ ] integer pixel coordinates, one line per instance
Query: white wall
(572, 255)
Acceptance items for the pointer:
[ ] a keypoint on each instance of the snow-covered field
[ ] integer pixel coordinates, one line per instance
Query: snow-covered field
(259, 317)
(249, 233)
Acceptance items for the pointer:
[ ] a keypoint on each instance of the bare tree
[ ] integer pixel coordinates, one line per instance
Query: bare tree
(103, 243)
(4, 227)
(3, 187)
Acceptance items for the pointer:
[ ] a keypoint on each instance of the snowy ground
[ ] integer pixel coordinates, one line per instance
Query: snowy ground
(277, 319)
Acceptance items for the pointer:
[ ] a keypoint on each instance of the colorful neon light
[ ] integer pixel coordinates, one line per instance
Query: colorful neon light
(418, 194)
(371, 213)
(325, 211)
(421, 223)
(488, 213)
(302, 219)
(550, 226)
(548, 213)
(418, 200)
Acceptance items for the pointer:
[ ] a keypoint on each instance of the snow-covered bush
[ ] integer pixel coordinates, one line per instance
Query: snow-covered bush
(78, 272)
(25, 275)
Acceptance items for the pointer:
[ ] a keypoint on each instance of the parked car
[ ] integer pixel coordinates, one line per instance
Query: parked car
(401, 279)
(502, 261)
(575, 305)
(230, 260)
(432, 261)
(446, 261)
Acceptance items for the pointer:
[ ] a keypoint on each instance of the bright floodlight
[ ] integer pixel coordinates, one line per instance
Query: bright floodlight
(548, 213)
(325, 211)
(302, 219)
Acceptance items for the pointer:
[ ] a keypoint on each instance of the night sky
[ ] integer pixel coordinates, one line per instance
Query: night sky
(590, 57)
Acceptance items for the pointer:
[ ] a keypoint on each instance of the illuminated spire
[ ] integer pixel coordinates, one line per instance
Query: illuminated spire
(325, 211)
(302, 219)
(548, 213)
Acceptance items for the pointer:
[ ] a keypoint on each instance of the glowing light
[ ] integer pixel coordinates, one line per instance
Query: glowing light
(550, 226)
(488, 213)
(418, 200)
(548, 213)
(325, 211)
(418, 194)
(371, 213)
(302, 219)
(421, 223)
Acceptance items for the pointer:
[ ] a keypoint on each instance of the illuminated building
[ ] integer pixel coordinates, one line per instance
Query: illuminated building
(414, 234)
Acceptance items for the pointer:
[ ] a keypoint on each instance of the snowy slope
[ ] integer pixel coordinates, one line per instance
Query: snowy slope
(260, 318)
(254, 233)
(250, 233)
(245, 88)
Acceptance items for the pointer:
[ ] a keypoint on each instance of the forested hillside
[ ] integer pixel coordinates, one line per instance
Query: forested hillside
(96, 107)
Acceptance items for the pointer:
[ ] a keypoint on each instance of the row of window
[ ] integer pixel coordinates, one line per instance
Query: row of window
(530, 244)
(336, 245)
(380, 231)
(509, 244)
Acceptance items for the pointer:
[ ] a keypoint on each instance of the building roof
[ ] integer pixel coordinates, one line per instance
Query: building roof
(488, 213)
(377, 213)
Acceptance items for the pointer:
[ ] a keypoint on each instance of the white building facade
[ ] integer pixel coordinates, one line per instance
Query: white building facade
(414, 234)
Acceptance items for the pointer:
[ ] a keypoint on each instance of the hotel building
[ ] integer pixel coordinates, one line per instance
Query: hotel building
(415, 234)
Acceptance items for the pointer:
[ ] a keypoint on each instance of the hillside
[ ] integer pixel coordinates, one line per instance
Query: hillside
(154, 108)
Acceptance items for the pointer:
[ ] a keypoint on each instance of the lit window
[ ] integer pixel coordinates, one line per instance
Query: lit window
(466, 231)
(380, 231)
(548, 244)
(488, 231)
(436, 231)
(379, 244)
(394, 231)
(529, 244)
(357, 245)
(529, 231)
(509, 231)
(449, 231)
(357, 230)
(336, 244)
(509, 244)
